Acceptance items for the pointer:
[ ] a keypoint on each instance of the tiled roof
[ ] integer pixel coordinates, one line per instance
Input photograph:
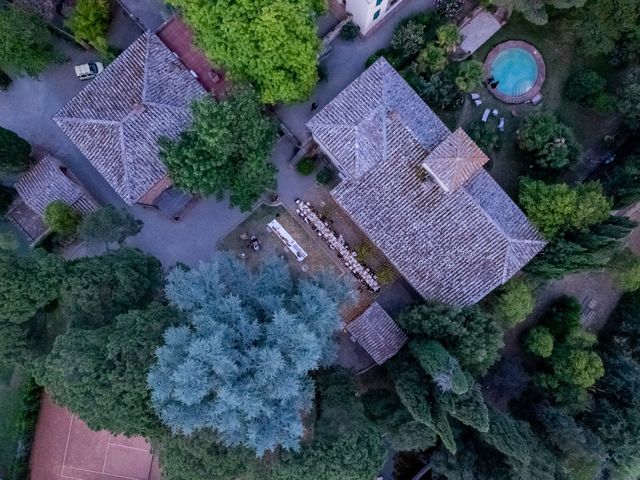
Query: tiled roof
(454, 245)
(45, 183)
(117, 119)
(355, 127)
(455, 160)
(42, 184)
(377, 333)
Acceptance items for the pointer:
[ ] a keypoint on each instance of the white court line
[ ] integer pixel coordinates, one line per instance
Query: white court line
(64, 459)
(100, 473)
(146, 450)
(106, 454)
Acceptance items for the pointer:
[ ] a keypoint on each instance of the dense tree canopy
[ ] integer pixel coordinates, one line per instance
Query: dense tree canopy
(469, 335)
(513, 302)
(273, 44)
(559, 208)
(623, 183)
(603, 23)
(629, 99)
(537, 11)
(241, 366)
(552, 143)
(89, 23)
(96, 289)
(100, 374)
(15, 152)
(25, 42)
(226, 149)
(108, 225)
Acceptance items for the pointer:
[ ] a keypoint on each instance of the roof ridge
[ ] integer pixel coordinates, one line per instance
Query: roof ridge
(147, 51)
(110, 123)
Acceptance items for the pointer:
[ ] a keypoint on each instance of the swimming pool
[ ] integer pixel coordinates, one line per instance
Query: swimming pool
(516, 71)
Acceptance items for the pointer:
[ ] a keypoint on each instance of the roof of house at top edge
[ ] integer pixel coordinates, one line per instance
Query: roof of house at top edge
(420, 192)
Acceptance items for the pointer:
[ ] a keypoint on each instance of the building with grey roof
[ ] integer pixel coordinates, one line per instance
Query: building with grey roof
(116, 121)
(46, 182)
(420, 192)
(377, 333)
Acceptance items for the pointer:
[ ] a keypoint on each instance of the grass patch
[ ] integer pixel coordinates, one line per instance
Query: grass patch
(12, 387)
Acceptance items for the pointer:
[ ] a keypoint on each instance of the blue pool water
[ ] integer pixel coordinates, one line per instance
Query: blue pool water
(515, 70)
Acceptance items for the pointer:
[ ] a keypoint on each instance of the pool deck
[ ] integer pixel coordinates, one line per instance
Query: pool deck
(537, 86)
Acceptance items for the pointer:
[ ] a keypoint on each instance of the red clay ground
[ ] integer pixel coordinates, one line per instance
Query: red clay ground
(179, 38)
(66, 449)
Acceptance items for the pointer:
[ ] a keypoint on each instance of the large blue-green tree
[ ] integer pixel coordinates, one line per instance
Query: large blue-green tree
(240, 366)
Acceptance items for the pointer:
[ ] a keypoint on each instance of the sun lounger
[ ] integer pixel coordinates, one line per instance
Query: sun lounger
(501, 124)
(478, 102)
(475, 96)
(485, 115)
(537, 99)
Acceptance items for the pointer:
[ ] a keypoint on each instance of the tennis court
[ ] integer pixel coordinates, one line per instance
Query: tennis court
(66, 449)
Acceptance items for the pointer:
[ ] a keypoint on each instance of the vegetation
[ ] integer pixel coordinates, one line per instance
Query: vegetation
(26, 427)
(227, 148)
(246, 352)
(625, 269)
(448, 37)
(588, 89)
(602, 25)
(629, 100)
(5, 81)
(325, 176)
(539, 342)
(15, 152)
(350, 31)
(623, 184)
(449, 8)
(306, 166)
(61, 218)
(513, 302)
(556, 209)
(485, 136)
(6, 197)
(89, 23)
(108, 225)
(25, 42)
(537, 12)
(469, 76)
(272, 44)
(552, 143)
(432, 59)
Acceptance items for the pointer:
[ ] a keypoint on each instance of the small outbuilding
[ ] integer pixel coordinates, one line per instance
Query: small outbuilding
(47, 181)
(377, 333)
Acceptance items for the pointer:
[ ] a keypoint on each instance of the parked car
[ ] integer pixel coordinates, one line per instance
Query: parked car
(88, 70)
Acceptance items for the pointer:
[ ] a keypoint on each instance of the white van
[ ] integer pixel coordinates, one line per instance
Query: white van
(88, 70)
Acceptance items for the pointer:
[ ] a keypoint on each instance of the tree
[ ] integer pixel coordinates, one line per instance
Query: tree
(241, 366)
(553, 143)
(227, 148)
(467, 334)
(408, 40)
(625, 269)
(536, 11)
(585, 86)
(100, 375)
(432, 59)
(97, 289)
(624, 182)
(602, 24)
(350, 31)
(15, 152)
(273, 44)
(487, 137)
(629, 99)
(513, 302)
(25, 42)
(440, 91)
(108, 225)
(61, 218)
(346, 445)
(539, 342)
(448, 37)
(440, 365)
(7, 195)
(513, 438)
(469, 75)
(559, 208)
(89, 23)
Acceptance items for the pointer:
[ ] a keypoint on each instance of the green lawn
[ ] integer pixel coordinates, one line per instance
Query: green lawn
(11, 389)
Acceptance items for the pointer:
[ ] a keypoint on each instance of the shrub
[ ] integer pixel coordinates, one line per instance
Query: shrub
(15, 152)
(441, 92)
(385, 275)
(624, 182)
(61, 218)
(629, 100)
(432, 59)
(350, 31)
(584, 86)
(449, 8)
(448, 36)
(408, 40)
(539, 342)
(306, 165)
(625, 269)
(325, 176)
(514, 301)
(469, 75)
(605, 104)
(6, 197)
(553, 143)
(364, 252)
(5, 81)
(26, 427)
(487, 138)
(89, 23)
